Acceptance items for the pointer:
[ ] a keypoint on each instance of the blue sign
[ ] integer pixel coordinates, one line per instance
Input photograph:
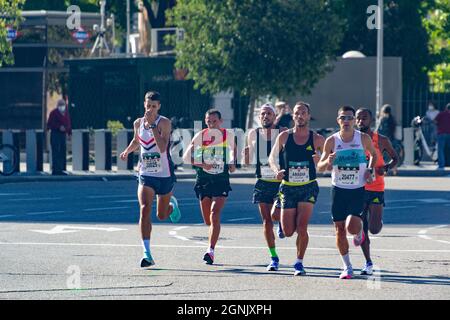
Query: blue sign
(11, 34)
(81, 35)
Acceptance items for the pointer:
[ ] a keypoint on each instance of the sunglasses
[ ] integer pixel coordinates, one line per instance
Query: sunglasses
(346, 118)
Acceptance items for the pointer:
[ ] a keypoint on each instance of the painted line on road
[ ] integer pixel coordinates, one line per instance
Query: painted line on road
(102, 209)
(116, 196)
(404, 207)
(422, 233)
(36, 199)
(240, 219)
(7, 216)
(44, 212)
(68, 244)
(14, 194)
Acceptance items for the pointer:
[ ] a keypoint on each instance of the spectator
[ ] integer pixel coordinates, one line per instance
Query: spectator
(431, 114)
(60, 126)
(443, 135)
(387, 123)
(284, 117)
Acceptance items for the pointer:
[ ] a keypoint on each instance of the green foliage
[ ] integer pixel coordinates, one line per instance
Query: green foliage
(437, 23)
(256, 47)
(404, 34)
(9, 16)
(114, 126)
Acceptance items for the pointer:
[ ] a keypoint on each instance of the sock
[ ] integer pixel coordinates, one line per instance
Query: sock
(146, 245)
(273, 252)
(346, 261)
(210, 251)
(298, 261)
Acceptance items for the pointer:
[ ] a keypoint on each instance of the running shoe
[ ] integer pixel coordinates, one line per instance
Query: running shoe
(359, 238)
(347, 273)
(208, 258)
(175, 216)
(299, 270)
(147, 261)
(280, 232)
(367, 270)
(273, 266)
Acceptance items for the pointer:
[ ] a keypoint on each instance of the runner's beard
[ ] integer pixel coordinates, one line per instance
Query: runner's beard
(302, 125)
(363, 129)
(267, 125)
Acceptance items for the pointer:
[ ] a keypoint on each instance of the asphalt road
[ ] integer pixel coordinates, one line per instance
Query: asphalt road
(80, 240)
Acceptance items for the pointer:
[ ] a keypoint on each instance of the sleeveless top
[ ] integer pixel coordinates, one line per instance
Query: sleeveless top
(350, 163)
(378, 184)
(215, 153)
(298, 161)
(263, 170)
(153, 162)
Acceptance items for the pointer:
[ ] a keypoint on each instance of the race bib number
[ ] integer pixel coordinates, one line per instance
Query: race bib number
(299, 172)
(267, 173)
(217, 167)
(348, 176)
(151, 162)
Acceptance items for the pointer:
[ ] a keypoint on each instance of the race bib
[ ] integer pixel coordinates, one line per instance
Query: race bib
(151, 162)
(218, 167)
(299, 172)
(267, 173)
(348, 176)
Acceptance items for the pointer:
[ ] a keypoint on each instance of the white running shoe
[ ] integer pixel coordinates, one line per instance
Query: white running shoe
(347, 273)
(367, 270)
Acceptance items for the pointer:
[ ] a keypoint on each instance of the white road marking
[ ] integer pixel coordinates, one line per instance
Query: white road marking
(404, 207)
(7, 215)
(69, 229)
(44, 212)
(192, 246)
(240, 219)
(36, 199)
(422, 233)
(433, 201)
(110, 208)
(14, 194)
(117, 196)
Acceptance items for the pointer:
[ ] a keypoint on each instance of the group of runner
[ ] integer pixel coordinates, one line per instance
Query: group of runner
(287, 161)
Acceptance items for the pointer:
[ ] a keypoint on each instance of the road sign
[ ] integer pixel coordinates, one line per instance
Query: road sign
(11, 34)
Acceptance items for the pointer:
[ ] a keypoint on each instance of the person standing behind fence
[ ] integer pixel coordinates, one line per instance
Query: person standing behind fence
(443, 135)
(431, 114)
(60, 126)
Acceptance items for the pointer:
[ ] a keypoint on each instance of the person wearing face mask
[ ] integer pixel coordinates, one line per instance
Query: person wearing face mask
(60, 126)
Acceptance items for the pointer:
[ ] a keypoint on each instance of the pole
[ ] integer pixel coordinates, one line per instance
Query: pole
(128, 28)
(379, 94)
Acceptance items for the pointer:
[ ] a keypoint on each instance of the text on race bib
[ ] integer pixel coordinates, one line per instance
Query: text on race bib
(348, 176)
(299, 172)
(151, 162)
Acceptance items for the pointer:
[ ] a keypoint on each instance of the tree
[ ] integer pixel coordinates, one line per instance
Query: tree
(256, 47)
(437, 23)
(404, 34)
(9, 16)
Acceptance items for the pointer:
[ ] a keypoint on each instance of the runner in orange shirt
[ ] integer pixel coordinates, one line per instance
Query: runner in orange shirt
(374, 192)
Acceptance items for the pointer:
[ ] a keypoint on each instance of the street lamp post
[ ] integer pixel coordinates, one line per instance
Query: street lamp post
(380, 26)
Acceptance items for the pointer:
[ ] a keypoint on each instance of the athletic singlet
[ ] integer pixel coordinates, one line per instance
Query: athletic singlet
(153, 162)
(213, 153)
(378, 184)
(263, 170)
(298, 161)
(350, 163)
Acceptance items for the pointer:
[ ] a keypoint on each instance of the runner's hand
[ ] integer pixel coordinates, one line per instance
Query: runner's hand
(124, 156)
(368, 176)
(280, 174)
(150, 117)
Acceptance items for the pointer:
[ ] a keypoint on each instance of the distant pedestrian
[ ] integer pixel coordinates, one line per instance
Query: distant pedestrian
(284, 117)
(443, 135)
(431, 114)
(60, 127)
(387, 123)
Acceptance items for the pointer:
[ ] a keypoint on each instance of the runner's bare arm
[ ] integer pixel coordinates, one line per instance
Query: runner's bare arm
(328, 156)
(277, 148)
(134, 144)
(319, 142)
(368, 146)
(249, 150)
(162, 133)
(386, 145)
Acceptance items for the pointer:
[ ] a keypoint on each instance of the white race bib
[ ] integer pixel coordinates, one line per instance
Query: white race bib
(298, 173)
(151, 162)
(348, 176)
(218, 167)
(267, 173)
